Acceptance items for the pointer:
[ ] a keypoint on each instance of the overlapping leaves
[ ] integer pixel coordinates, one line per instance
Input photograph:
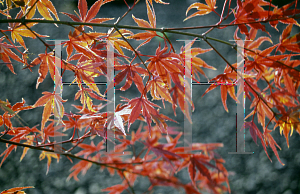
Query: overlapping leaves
(166, 81)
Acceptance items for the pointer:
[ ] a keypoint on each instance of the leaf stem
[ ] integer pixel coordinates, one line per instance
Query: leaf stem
(170, 30)
(240, 76)
(30, 8)
(131, 188)
(150, 74)
(162, 31)
(85, 159)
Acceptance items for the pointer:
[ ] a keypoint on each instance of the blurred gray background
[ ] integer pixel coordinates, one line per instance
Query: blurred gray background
(211, 123)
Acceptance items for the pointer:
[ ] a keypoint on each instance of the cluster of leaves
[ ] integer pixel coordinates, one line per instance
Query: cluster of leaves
(166, 82)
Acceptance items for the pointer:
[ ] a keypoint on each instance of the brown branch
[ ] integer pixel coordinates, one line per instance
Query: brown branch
(51, 50)
(234, 69)
(150, 74)
(84, 159)
(170, 30)
(121, 18)
(162, 31)
(30, 8)
(226, 25)
(131, 188)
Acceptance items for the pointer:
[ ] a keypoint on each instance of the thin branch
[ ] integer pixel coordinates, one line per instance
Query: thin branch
(121, 18)
(225, 25)
(125, 39)
(266, 57)
(162, 31)
(10, 41)
(84, 159)
(131, 188)
(51, 50)
(66, 141)
(221, 18)
(30, 8)
(61, 153)
(234, 69)
(33, 32)
(126, 3)
(150, 74)
(139, 28)
(6, 130)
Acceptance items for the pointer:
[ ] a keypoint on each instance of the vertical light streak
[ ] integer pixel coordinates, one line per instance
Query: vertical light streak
(58, 88)
(188, 131)
(110, 144)
(240, 111)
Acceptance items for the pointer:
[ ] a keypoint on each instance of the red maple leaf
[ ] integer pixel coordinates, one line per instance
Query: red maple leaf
(88, 16)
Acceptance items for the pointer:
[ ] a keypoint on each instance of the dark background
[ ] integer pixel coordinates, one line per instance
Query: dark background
(211, 123)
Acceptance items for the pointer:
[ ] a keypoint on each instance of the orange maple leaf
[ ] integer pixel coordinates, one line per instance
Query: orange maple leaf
(203, 8)
(47, 62)
(49, 156)
(6, 54)
(148, 35)
(44, 7)
(18, 30)
(225, 81)
(16, 190)
(52, 103)
(88, 16)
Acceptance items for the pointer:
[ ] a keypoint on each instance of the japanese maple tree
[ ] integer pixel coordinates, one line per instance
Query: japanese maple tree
(163, 76)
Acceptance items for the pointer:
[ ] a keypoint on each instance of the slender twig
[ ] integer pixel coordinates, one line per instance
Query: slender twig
(30, 8)
(223, 9)
(121, 18)
(85, 159)
(140, 28)
(221, 18)
(51, 50)
(10, 41)
(77, 143)
(150, 74)
(62, 153)
(131, 188)
(228, 8)
(116, 27)
(6, 130)
(138, 55)
(269, 8)
(141, 152)
(66, 141)
(295, 7)
(162, 31)
(33, 32)
(234, 69)
(126, 3)
(281, 63)
(235, 24)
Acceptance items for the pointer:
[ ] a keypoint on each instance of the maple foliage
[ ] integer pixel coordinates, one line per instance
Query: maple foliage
(203, 8)
(162, 77)
(16, 190)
